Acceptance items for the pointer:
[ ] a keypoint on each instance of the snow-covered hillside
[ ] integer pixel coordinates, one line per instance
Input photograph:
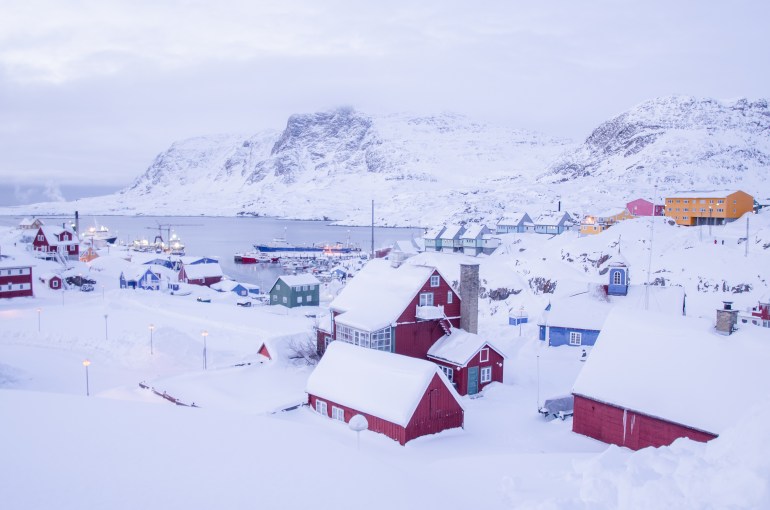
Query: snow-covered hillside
(426, 170)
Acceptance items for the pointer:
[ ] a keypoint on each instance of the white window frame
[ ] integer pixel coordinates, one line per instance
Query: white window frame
(299, 299)
(338, 413)
(285, 300)
(448, 372)
(617, 278)
(485, 375)
(575, 338)
(321, 407)
(435, 281)
(484, 354)
(449, 297)
(426, 299)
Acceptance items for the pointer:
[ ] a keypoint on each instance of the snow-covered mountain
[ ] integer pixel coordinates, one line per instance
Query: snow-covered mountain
(678, 141)
(432, 169)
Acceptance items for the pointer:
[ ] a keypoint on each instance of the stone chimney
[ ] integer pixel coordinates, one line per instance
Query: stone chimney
(727, 318)
(469, 297)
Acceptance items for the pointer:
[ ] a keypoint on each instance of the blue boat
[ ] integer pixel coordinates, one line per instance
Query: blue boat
(281, 245)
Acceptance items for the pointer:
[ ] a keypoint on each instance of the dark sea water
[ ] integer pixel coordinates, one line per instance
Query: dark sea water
(222, 237)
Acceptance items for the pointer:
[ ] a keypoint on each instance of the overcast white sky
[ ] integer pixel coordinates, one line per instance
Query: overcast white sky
(91, 91)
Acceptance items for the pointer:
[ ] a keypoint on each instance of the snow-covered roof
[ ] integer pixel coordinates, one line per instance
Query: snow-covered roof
(512, 219)
(473, 231)
(703, 194)
(383, 384)
(457, 348)
(195, 271)
(677, 368)
(379, 293)
(190, 260)
(52, 232)
(299, 279)
(406, 246)
(589, 310)
(434, 233)
(226, 285)
(452, 231)
(552, 218)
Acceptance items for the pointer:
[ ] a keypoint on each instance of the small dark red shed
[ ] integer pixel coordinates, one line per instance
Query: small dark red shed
(469, 362)
(401, 397)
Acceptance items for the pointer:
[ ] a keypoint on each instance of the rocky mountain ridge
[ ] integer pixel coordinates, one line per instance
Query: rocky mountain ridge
(424, 170)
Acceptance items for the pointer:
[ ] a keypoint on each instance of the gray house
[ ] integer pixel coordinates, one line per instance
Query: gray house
(553, 223)
(432, 239)
(450, 239)
(514, 223)
(473, 239)
(295, 290)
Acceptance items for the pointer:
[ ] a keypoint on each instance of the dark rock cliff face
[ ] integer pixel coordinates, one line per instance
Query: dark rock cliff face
(669, 133)
(323, 144)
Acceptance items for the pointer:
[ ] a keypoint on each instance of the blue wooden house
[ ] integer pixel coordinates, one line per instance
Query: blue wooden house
(577, 319)
(473, 239)
(143, 279)
(515, 223)
(450, 239)
(432, 239)
(553, 223)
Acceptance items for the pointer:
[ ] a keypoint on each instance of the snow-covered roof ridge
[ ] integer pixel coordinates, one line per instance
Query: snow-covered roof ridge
(293, 280)
(203, 270)
(387, 385)
(379, 293)
(458, 347)
(676, 368)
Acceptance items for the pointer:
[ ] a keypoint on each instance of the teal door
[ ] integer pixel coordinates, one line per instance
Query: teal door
(473, 380)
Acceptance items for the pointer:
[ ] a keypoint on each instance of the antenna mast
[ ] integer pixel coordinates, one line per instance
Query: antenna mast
(649, 260)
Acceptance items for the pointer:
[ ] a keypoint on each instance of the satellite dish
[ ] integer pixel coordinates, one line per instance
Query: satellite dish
(358, 423)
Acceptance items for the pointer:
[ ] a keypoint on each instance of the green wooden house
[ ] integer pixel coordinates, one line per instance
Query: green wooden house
(295, 290)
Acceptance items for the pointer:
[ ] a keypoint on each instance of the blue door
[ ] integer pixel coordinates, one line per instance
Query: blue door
(473, 380)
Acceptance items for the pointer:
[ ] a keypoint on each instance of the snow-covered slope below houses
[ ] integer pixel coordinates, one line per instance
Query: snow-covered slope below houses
(427, 170)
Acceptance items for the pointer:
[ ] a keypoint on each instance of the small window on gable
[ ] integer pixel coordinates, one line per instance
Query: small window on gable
(434, 281)
(277, 286)
(449, 297)
(484, 354)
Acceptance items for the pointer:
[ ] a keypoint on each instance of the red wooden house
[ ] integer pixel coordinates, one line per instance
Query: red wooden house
(53, 281)
(15, 281)
(204, 274)
(56, 241)
(400, 397)
(399, 308)
(468, 361)
(654, 378)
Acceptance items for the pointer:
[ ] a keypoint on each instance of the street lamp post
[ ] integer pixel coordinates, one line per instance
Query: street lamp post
(105, 327)
(152, 328)
(710, 210)
(204, 334)
(85, 364)
(38, 319)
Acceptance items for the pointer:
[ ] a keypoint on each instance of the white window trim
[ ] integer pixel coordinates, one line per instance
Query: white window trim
(485, 375)
(426, 299)
(321, 407)
(338, 413)
(449, 297)
(575, 338)
(484, 354)
(435, 281)
(448, 372)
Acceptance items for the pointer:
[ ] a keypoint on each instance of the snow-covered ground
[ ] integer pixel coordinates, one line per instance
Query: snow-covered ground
(124, 447)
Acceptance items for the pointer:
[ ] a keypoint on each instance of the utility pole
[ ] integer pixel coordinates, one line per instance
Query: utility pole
(372, 253)
(649, 259)
(747, 237)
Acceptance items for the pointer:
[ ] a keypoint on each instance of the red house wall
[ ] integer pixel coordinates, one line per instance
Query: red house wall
(264, 352)
(460, 375)
(413, 337)
(16, 279)
(438, 410)
(607, 423)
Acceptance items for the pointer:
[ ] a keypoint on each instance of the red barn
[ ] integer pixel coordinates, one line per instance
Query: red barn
(205, 274)
(400, 308)
(56, 241)
(401, 397)
(468, 361)
(15, 281)
(654, 378)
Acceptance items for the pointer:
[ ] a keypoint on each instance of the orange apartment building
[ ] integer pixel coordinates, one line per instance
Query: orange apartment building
(694, 208)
